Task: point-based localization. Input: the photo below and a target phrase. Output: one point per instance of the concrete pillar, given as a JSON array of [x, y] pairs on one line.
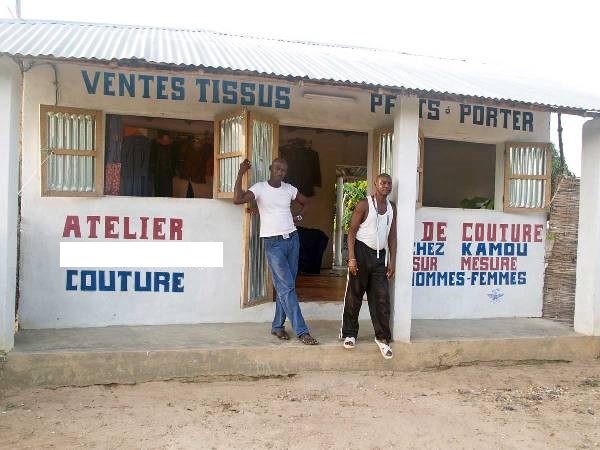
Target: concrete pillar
[[405, 151], [370, 158], [587, 295], [339, 226], [10, 123]]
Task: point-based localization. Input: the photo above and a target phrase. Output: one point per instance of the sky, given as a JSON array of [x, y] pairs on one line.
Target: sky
[[554, 39]]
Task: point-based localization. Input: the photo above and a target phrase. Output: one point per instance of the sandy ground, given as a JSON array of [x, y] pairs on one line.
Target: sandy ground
[[526, 406]]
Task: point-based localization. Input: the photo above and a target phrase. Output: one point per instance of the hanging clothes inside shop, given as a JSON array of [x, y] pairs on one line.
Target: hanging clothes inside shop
[[194, 167], [164, 153], [304, 169], [193, 160], [208, 148], [114, 143], [135, 163], [114, 138], [112, 179]]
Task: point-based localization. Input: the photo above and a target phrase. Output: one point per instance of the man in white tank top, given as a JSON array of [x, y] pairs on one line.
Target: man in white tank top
[[371, 263], [280, 238]]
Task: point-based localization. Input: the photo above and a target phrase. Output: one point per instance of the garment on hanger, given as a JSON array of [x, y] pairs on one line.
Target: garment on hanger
[[162, 166], [114, 143], [135, 166], [114, 138], [304, 169], [194, 159]]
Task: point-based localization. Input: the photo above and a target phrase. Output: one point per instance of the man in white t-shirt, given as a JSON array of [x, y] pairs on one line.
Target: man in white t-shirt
[[280, 238]]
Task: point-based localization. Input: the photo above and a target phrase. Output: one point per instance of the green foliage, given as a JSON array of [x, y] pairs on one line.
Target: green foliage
[[353, 193], [556, 168], [477, 203]]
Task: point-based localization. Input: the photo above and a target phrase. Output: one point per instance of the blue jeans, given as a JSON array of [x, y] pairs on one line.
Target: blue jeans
[[282, 255]]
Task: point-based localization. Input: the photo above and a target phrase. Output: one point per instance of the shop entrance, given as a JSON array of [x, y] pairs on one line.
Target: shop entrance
[[316, 159]]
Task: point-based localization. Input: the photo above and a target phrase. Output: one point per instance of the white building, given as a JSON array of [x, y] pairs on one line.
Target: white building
[[82, 104]]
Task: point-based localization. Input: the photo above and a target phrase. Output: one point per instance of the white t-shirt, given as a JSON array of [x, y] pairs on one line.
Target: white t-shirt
[[274, 208]]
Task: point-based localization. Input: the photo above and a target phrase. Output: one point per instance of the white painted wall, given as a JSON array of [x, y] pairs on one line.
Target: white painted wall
[[10, 118], [587, 293], [349, 115], [472, 301], [211, 295], [449, 126]]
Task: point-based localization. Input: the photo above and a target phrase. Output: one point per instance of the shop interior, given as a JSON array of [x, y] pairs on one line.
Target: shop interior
[[314, 157], [158, 157], [458, 174]]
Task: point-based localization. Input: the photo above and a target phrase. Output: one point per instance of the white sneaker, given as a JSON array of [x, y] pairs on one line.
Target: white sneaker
[[349, 342]]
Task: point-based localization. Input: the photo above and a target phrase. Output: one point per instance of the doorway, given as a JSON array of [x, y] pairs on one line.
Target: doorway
[[316, 158]]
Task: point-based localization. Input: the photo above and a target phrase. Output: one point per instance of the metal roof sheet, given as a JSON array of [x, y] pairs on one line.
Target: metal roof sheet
[[318, 62]]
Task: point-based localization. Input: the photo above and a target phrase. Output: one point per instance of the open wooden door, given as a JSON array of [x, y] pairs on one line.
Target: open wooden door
[[263, 146], [230, 150], [241, 135]]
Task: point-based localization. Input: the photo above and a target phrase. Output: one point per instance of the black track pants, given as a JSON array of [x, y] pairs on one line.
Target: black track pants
[[372, 279]]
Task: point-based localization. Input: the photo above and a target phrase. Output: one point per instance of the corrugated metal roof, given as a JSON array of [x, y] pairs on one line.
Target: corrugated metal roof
[[318, 62]]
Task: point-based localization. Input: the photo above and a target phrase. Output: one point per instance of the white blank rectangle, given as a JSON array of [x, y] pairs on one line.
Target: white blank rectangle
[[141, 254]]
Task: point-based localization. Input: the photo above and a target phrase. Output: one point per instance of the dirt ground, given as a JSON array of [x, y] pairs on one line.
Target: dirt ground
[[509, 407]]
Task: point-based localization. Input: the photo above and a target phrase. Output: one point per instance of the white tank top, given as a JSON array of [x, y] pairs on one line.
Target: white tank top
[[375, 229]]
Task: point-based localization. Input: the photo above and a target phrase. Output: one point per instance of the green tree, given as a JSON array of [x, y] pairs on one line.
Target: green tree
[[353, 193], [556, 169]]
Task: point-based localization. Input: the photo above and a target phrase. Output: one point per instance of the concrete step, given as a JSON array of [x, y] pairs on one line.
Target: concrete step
[[120, 354]]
